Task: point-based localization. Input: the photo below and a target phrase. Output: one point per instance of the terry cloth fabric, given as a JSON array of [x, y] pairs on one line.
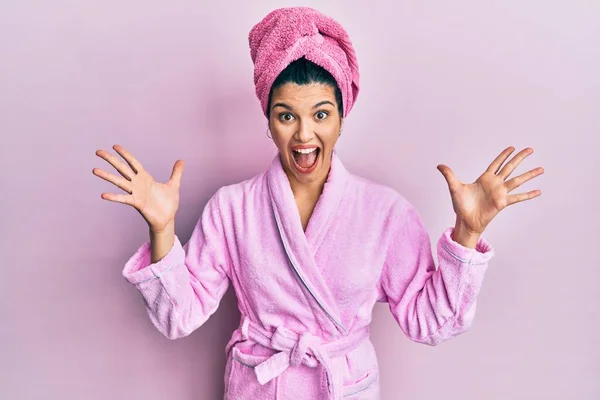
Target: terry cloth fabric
[[289, 33], [306, 298]]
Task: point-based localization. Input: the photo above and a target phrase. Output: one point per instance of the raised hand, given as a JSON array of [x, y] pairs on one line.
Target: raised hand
[[156, 202], [477, 203]]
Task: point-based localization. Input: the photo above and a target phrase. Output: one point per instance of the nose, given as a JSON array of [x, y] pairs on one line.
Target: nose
[[305, 131]]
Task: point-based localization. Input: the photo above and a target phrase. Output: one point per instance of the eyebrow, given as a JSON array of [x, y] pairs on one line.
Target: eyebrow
[[319, 104]]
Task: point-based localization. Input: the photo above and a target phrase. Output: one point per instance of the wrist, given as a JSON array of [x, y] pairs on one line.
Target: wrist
[[463, 236], [165, 231]]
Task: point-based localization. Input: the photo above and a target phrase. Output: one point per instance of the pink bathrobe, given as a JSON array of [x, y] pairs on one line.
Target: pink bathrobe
[[306, 298]]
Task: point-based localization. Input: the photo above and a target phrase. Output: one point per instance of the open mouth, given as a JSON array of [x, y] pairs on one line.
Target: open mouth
[[306, 160]]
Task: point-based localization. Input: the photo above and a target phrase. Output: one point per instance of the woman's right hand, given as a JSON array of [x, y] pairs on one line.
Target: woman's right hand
[[156, 202]]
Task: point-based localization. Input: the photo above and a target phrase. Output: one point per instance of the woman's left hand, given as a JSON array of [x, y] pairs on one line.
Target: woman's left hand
[[477, 203]]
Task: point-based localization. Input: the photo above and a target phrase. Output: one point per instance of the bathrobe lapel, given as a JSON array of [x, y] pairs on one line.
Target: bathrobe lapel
[[301, 247]]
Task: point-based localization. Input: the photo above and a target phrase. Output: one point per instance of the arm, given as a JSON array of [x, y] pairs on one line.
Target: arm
[[431, 305], [161, 242], [184, 287]]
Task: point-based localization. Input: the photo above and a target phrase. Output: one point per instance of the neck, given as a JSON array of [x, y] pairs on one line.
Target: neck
[[311, 190]]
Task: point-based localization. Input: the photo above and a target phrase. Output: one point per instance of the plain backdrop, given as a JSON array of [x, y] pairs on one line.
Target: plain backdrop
[[441, 83]]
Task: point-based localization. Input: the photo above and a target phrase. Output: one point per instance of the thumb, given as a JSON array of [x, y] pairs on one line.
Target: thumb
[[176, 174], [449, 176]]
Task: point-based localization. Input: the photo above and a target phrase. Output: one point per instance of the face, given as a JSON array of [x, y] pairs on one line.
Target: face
[[305, 125]]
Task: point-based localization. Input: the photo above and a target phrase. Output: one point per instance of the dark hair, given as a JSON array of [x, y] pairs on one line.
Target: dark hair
[[302, 72]]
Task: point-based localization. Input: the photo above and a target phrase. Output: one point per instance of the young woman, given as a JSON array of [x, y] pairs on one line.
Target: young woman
[[309, 247]]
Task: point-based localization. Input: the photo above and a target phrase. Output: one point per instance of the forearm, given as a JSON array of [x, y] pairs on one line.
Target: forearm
[[161, 242]]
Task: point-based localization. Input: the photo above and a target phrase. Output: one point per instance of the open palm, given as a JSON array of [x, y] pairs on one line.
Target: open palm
[[157, 202], [477, 203]]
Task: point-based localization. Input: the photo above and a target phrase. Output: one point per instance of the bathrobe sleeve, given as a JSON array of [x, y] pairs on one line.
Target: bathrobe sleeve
[[431, 305], [183, 289]]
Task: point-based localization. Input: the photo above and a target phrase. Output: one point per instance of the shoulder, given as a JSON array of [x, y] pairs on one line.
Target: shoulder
[[396, 211], [372, 194], [234, 194]]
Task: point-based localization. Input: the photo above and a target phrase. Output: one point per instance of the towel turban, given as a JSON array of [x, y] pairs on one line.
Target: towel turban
[[289, 33]]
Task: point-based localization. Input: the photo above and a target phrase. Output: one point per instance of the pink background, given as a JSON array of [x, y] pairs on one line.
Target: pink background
[[441, 83]]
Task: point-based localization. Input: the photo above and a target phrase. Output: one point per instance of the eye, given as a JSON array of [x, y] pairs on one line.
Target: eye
[[284, 117], [323, 114]]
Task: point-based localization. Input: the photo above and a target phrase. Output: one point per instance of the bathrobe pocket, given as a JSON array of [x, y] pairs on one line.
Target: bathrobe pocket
[[361, 380], [365, 387], [241, 378]]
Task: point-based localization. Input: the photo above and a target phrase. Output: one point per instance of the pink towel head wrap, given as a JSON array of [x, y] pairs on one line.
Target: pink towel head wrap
[[289, 33]]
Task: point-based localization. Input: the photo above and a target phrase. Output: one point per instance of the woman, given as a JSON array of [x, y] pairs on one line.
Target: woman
[[309, 247]]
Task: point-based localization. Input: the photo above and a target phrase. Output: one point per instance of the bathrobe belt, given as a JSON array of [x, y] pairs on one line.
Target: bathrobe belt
[[294, 349]]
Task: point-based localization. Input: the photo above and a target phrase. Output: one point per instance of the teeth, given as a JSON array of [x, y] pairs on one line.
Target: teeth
[[306, 151]]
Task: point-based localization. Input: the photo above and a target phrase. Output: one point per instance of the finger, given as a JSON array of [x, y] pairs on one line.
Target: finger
[[517, 181], [176, 174], [133, 163], [118, 198], [517, 198], [118, 181], [453, 182], [498, 161], [512, 164], [116, 163]]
